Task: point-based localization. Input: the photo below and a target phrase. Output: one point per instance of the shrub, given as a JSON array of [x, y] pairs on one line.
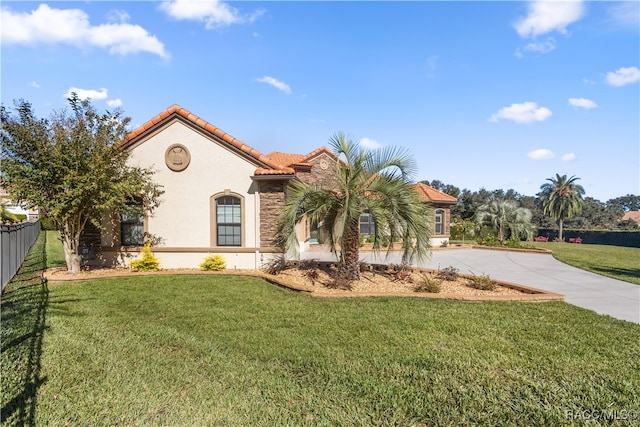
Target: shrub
[[46, 223], [401, 273], [148, 262], [213, 263], [444, 244], [483, 283], [428, 284], [364, 266], [312, 274], [449, 274], [275, 265], [308, 264]]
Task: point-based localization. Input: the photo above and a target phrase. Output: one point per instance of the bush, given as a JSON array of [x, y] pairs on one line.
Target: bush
[[275, 265], [213, 263], [449, 274], [47, 224], [483, 283], [148, 262], [428, 284]]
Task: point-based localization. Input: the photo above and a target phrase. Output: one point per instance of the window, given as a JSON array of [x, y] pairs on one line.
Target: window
[[228, 221], [132, 224], [367, 225], [439, 229]]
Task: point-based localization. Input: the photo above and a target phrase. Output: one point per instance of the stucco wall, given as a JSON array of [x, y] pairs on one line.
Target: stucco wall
[[184, 218]]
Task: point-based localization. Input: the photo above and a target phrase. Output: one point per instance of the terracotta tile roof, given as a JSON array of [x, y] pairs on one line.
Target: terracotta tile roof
[[284, 159], [430, 194], [176, 110], [317, 151], [632, 215]]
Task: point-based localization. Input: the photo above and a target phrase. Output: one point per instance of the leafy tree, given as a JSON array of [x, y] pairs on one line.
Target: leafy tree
[[376, 181], [71, 168], [506, 218], [561, 198]]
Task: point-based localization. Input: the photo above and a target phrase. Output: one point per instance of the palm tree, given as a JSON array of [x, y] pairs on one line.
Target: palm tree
[[376, 181], [507, 218], [561, 198]]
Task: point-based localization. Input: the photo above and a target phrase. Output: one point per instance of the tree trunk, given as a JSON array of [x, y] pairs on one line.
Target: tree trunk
[[350, 253], [560, 223], [72, 256]]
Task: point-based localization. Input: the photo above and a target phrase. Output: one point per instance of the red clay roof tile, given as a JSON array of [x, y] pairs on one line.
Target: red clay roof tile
[[430, 194]]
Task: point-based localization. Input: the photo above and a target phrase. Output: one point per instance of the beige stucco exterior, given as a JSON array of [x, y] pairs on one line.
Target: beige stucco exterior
[[184, 222], [196, 163]]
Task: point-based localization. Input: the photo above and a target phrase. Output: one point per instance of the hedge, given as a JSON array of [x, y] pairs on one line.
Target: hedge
[[596, 237]]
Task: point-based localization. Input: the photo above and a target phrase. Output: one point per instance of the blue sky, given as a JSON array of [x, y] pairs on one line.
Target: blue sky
[[484, 94]]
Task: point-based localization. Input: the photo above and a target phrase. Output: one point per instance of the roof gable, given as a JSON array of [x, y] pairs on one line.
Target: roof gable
[[430, 194], [268, 166]]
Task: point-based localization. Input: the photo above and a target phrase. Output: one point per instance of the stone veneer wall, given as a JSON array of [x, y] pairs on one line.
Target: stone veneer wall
[[317, 175], [272, 197]]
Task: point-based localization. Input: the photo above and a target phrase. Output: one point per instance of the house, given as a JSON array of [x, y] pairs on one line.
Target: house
[[632, 216], [221, 197], [13, 208]]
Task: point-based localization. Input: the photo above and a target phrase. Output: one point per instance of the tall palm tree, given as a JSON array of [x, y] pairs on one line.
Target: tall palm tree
[[561, 198], [376, 181], [507, 218]]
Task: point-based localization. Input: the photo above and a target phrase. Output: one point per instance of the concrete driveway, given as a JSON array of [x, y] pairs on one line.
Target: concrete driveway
[[587, 290]]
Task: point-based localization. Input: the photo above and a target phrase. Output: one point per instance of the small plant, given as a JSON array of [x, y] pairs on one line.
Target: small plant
[[449, 274], [308, 264], [401, 273], [428, 284], [483, 283], [444, 244], [213, 263], [148, 262], [312, 274], [275, 265]]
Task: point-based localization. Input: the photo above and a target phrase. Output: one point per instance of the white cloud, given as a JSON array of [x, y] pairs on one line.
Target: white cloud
[[582, 103], [34, 84], [568, 157], [623, 76], [588, 81], [369, 144], [213, 13], [276, 83], [46, 25], [525, 112], [540, 154], [113, 103], [625, 14], [541, 47], [547, 16], [87, 93]]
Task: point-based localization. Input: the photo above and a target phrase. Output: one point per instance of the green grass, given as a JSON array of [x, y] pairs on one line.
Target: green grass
[[54, 249], [619, 262], [236, 351]]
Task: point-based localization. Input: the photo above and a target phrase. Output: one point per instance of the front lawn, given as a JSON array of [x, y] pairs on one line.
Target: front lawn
[[236, 351], [619, 262]]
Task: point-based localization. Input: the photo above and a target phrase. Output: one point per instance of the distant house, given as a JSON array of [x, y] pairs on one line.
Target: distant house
[[221, 197], [14, 208], [632, 216]]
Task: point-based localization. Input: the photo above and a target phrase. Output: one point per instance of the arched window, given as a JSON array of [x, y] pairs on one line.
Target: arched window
[[439, 223], [228, 221]]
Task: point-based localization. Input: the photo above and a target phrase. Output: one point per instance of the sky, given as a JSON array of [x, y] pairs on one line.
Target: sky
[[494, 95]]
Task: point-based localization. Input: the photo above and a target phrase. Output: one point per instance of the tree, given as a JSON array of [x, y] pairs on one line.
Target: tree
[[70, 166], [561, 198], [375, 181], [506, 218]]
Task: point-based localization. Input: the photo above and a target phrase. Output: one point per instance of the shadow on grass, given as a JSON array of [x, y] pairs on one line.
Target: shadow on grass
[[24, 307], [619, 272]]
